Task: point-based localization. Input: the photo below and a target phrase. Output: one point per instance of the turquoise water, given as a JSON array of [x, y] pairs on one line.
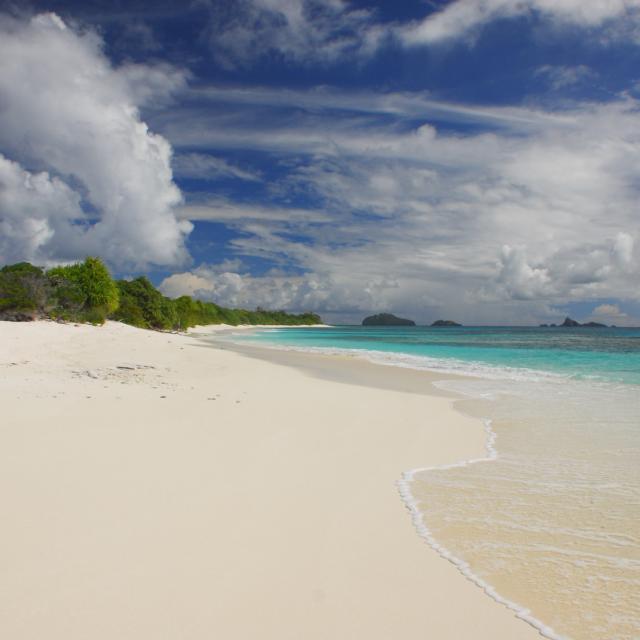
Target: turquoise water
[[548, 522], [596, 354]]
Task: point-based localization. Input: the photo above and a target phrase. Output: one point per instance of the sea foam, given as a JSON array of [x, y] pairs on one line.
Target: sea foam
[[546, 522]]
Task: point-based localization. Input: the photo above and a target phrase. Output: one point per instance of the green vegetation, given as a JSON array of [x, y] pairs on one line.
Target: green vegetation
[[23, 289], [387, 320], [142, 305], [85, 292]]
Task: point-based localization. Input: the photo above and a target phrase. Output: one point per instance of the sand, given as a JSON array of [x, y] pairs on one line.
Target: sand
[[154, 487]]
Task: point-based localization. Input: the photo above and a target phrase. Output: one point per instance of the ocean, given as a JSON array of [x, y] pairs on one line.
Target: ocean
[[548, 521]]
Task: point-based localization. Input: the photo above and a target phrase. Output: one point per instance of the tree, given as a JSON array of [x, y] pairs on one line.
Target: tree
[[84, 291], [142, 305], [23, 288]]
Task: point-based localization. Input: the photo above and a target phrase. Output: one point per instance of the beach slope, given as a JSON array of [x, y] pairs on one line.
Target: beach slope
[[156, 487]]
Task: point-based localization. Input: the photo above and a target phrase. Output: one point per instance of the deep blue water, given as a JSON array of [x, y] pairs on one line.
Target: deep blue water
[[611, 354]]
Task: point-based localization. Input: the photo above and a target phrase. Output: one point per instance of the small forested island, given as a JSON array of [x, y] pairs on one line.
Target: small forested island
[[387, 320], [86, 292], [570, 322], [445, 323]]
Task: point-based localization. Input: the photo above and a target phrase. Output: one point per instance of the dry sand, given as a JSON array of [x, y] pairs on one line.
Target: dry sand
[[156, 488]]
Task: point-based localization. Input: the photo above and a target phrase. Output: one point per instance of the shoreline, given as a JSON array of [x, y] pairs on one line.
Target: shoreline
[[424, 382], [198, 491], [553, 532]]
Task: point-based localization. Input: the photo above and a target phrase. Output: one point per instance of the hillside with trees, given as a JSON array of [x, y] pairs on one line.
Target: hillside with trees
[[86, 292]]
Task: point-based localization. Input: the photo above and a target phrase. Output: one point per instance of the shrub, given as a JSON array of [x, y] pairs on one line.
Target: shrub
[[84, 291], [23, 287], [87, 284], [142, 305]]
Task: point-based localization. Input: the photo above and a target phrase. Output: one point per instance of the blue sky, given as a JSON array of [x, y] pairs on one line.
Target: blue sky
[[471, 159]]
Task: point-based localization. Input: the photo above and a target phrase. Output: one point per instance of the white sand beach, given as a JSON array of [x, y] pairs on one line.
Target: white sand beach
[[154, 487]]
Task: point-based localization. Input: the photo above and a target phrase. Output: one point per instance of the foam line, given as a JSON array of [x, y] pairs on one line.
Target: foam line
[[459, 367], [417, 517], [420, 363]]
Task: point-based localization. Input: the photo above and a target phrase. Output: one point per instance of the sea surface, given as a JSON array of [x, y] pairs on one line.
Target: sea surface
[[548, 521]]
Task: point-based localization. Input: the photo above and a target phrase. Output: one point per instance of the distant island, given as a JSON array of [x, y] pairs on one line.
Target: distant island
[[387, 320], [570, 322], [445, 323]]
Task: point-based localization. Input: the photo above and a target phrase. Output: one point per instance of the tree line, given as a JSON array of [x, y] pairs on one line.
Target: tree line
[[86, 292]]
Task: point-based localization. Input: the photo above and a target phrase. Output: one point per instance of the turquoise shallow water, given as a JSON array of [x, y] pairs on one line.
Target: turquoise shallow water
[[596, 354], [549, 520]]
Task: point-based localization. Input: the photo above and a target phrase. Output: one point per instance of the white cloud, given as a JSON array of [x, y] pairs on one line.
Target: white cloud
[[464, 18], [208, 167], [405, 104], [70, 124], [623, 250], [414, 217], [521, 280], [222, 210], [606, 310], [561, 77], [325, 31], [581, 271], [301, 31], [185, 284], [311, 292], [153, 85], [35, 211], [614, 315]]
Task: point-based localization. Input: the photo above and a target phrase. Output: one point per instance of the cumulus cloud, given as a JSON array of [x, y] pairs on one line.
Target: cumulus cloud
[[36, 210], [153, 85], [81, 173], [324, 292], [613, 314], [521, 280], [606, 310], [464, 18], [570, 272]]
